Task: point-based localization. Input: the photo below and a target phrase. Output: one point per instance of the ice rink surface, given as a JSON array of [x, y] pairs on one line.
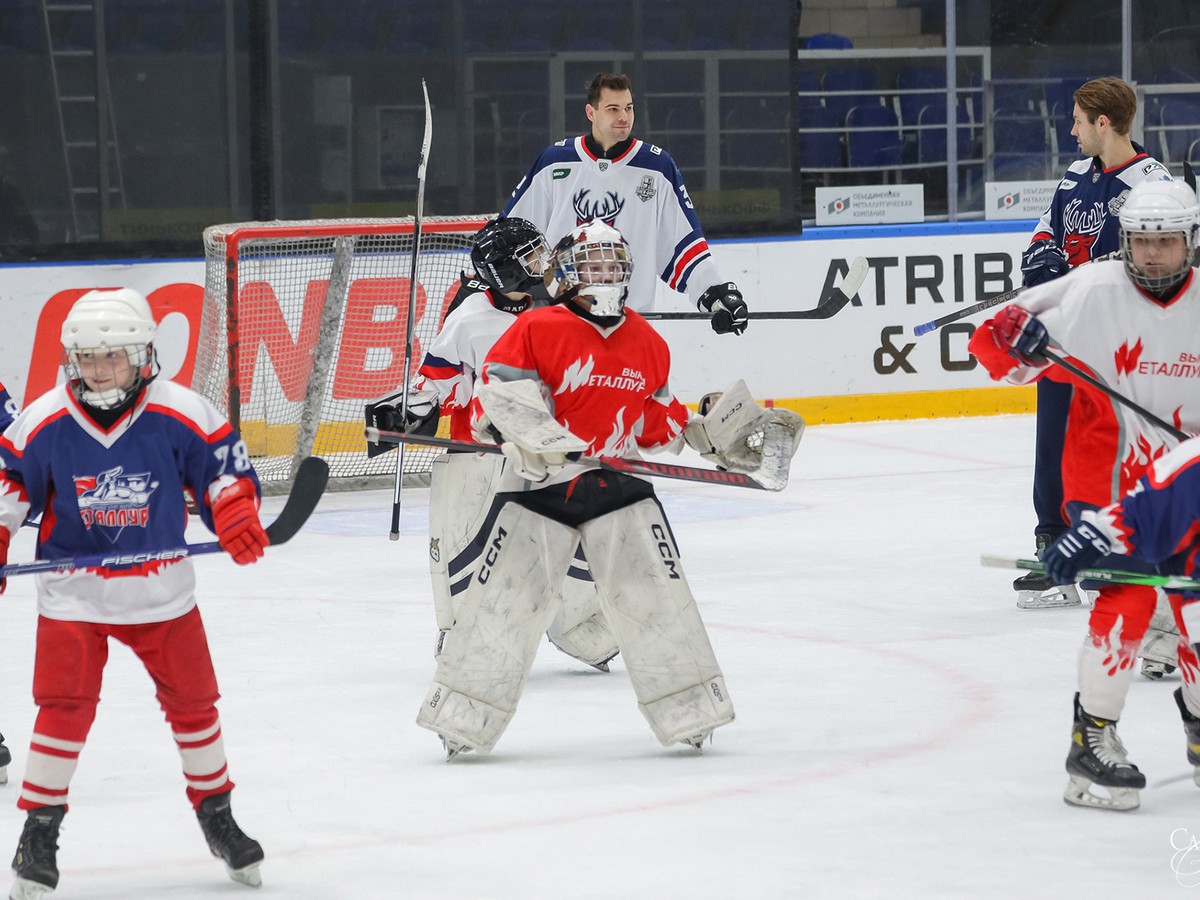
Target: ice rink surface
[[901, 725]]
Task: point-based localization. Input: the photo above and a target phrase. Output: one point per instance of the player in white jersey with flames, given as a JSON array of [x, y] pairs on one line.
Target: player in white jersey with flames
[[586, 376], [1131, 324], [509, 256], [105, 459], [636, 187]]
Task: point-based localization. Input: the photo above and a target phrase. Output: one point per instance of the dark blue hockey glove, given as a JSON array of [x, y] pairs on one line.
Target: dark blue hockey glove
[[1078, 549], [1042, 261], [728, 309]]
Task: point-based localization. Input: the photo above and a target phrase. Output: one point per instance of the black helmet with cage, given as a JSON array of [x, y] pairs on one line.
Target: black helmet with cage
[[510, 255]]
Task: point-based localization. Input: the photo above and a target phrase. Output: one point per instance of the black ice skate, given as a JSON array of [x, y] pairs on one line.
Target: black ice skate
[[1037, 591], [36, 862], [1097, 759], [1191, 727], [242, 854], [5, 759]]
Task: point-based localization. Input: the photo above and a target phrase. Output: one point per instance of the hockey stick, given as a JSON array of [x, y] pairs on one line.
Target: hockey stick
[[830, 305], [998, 300], [612, 463], [1120, 398], [394, 534], [309, 485], [1115, 576]]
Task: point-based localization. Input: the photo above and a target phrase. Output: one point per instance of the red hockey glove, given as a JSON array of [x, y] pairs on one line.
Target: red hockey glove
[[235, 519], [4, 538], [1013, 337]]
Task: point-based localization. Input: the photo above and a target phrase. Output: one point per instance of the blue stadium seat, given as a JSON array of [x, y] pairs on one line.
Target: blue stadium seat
[[1020, 145], [827, 40], [1180, 118], [819, 143], [808, 90], [879, 145], [931, 141], [858, 87], [922, 79]]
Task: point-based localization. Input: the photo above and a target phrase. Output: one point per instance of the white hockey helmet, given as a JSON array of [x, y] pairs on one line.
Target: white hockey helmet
[[1159, 207], [103, 322], [595, 263]]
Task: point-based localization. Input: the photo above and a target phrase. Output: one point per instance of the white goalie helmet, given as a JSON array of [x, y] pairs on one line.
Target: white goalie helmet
[[595, 259], [108, 346], [1156, 208]]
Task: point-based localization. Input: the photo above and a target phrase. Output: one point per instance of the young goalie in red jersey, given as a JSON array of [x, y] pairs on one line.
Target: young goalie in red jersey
[[105, 459], [585, 376]]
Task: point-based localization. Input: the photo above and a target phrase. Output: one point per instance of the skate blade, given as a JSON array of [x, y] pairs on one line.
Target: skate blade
[[249, 876], [1064, 596], [453, 748], [1079, 793], [3, 774], [24, 889]]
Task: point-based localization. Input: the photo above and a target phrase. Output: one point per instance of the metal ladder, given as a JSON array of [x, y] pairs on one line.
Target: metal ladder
[[87, 128]]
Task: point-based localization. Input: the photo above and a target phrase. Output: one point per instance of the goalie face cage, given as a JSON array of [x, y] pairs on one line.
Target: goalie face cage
[[304, 323]]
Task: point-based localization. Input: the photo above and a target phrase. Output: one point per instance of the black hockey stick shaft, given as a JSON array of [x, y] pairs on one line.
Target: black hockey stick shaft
[[831, 304], [311, 479], [1083, 376], [409, 319], [1115, 576], [612, 463], [998, 300]]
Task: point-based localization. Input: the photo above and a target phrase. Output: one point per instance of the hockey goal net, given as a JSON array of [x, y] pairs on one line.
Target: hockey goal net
[[304, 323]]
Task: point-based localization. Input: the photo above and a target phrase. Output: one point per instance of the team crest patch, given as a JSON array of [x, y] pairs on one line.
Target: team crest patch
[[113, 500], [645, 189], [435, 550], [603, 166]]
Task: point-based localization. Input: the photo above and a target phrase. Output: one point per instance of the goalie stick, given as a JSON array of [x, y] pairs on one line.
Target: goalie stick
[[394, 534], [1115, 576], [612, 463], [307, 489], [831, 304]]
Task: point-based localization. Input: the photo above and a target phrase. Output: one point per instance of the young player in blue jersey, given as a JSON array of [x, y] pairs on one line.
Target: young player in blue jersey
[[613, 177], [1079, 226], [106, 459], [8, 410]]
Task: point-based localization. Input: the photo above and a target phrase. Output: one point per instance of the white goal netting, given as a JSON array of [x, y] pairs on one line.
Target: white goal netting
[[304, 323]]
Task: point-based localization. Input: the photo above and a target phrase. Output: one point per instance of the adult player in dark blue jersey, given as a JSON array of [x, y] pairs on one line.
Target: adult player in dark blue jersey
[[1079, 226], [8, 411]]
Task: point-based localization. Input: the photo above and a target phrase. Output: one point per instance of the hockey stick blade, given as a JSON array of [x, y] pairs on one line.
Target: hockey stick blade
[[309, 485], [831, 304], [1116, 576], [613, 464]]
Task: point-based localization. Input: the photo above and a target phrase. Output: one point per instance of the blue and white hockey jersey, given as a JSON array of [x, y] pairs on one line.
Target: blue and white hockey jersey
[[640, 193], [117, 491], [1082, 216], [8, 408]]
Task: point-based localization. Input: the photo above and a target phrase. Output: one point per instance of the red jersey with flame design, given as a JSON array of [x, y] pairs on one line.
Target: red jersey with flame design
[[607, 386], [1147, 350]]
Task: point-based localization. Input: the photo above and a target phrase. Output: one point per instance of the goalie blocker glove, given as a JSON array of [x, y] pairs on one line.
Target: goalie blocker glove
[[728, 310], [387, 414], [1080, 548]]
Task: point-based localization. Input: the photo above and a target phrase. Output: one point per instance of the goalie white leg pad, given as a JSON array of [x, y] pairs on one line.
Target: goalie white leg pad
[[650, 609], [460, 495], [579, 627], [486, 657]]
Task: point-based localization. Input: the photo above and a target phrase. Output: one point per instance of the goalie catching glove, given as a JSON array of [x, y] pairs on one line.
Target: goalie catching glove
[[235, 520], [515, 415], [736, 433], [387, 414]]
